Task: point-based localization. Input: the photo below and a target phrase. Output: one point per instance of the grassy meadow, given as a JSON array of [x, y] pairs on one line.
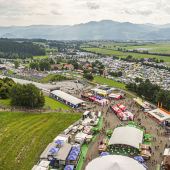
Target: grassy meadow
[[109, 82], [49, 104], [121, 54], [23, 136]]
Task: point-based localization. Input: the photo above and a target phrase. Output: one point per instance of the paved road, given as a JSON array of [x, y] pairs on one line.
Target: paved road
[[63, 85]]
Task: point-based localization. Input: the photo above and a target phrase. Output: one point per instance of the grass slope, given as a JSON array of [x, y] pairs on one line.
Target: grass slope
[[109, 82], [24, 136], [49, 104], [53, 104]]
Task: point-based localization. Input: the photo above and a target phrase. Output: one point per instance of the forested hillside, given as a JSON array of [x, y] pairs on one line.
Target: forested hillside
[[12, 49]]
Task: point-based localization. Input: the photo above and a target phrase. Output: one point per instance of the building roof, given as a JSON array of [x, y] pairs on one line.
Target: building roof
[[63, 152], [127, 136], [115, 162], [159, 114], [67, 97]]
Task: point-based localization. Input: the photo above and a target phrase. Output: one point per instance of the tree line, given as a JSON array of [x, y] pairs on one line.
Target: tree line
[[150, 92], [12, 49]]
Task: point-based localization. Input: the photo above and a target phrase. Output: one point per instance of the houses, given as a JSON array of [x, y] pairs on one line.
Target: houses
[[133, 70]]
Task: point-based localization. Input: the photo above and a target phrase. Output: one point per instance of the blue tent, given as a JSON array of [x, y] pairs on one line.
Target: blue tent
[[69, 167], [54, 150], [139, 159], [77, 148], [72, 157], [104, 154], [59, 142]]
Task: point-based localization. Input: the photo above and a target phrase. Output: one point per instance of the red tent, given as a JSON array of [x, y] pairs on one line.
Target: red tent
[[122, 107]]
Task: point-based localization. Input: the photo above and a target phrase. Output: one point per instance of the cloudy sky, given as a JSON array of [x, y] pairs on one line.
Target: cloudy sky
[[64, 12]]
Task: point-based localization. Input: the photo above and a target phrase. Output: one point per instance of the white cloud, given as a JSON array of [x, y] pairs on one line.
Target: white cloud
[[28, 12]]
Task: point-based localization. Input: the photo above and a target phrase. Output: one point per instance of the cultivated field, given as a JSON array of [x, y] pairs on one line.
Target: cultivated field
[[121, 54], [23, 136]]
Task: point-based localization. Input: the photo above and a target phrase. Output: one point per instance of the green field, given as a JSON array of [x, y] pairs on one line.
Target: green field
[[109, 82], [40, 57], [125, 54], [5, 102], [53, 104], [49, 104], [23, 136], [53, 78], [162, 47]]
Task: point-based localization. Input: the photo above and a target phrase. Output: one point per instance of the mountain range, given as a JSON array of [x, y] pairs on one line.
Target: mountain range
[[102, 30]]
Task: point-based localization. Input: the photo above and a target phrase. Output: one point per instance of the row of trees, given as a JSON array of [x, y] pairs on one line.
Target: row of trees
[[116, 74], [151, 92], [27, 95], [12, 49], [42, 65]]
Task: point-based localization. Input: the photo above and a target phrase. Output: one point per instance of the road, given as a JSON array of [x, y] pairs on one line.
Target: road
[[44, 87]]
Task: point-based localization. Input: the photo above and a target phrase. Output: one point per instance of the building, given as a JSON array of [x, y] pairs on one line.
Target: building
[[115, 162], [66, 98]]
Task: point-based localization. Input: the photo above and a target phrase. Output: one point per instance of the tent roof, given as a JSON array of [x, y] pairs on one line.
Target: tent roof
[[63, 152], [159, 114], [67, 97], [114, 162], [127, 136]]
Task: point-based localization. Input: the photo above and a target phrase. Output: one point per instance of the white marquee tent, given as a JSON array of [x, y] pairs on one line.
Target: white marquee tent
[[127, 135], [114, 162]]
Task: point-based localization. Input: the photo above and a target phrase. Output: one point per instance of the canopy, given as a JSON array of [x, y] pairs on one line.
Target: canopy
[[114, 162], [126, 135], [69, 167], [54, 150], [104, 154], [139, 159], [159, 114]]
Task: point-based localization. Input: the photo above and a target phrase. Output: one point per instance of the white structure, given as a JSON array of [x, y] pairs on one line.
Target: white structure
[[114, 162], [159, 114], [66, 98], [127, 135]]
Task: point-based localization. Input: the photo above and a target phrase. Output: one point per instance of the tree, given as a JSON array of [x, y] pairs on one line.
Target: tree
[[28, 96], [44, 65], [34, 65], [88, 76], [5, 87], [16, 63]]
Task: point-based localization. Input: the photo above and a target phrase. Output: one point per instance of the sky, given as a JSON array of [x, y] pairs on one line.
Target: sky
[[69, 12]]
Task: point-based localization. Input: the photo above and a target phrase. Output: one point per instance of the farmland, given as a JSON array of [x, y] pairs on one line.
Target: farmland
[[121, 54], [24, 136]]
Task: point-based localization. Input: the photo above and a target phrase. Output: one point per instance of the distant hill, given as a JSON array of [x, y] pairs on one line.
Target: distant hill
[[102, 30]]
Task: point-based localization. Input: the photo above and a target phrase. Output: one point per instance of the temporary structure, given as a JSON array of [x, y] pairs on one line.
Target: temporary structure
[[66, 98], [126, 135], [115, 162], [159, 114]]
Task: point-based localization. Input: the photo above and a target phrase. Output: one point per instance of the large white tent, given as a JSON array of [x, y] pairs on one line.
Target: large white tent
[[127, 135], [114, 162], [66, 98]]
